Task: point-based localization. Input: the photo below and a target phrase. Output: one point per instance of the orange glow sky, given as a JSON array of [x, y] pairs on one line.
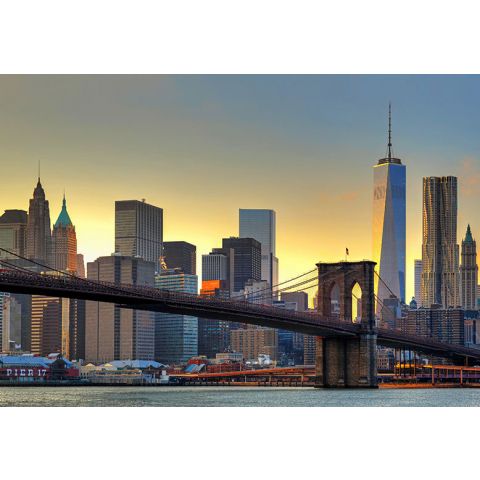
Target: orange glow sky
[[203, 147]]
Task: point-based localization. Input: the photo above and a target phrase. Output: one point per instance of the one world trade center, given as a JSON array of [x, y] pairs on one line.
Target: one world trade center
[[389, 230]]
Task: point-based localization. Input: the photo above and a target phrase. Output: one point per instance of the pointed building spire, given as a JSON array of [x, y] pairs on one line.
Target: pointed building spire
[[468, 235], [390, 131], [63, 219]]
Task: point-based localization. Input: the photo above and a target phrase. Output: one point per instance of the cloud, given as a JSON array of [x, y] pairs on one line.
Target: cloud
[[469, 177]]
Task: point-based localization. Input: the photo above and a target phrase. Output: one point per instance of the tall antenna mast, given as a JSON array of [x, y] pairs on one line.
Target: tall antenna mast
[[390, 131]]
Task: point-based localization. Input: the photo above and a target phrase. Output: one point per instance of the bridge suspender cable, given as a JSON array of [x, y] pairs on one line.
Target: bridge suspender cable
[[315, 279], [63, 273], [281, 283], [385, 283]]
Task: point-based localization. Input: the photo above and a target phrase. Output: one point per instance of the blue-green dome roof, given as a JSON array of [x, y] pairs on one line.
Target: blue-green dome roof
[[63, 219]]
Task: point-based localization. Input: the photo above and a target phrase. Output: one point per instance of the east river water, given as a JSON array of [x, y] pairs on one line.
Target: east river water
[[234, 397]]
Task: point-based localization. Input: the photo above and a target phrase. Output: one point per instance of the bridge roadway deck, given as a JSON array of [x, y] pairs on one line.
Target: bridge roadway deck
[[152, 299]]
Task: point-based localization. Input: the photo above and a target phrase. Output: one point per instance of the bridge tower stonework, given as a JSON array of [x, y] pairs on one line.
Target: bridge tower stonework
[[347, 362]]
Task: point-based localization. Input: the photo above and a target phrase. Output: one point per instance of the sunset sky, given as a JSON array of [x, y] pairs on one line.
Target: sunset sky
[[201, 147]]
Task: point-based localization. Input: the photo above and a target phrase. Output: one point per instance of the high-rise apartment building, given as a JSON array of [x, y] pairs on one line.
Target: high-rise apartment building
[[176, 336], [247, 260], [64, 242], [389, 224], [39, 236], [261, 225], [418, 280], [182, 255], [440, 270], [309, 349], [252, 342], [469, 272], [111, 332], [442, 324], [139, 230]]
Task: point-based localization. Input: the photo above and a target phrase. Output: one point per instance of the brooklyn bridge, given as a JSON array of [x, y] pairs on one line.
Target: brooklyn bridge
[[345, 350]]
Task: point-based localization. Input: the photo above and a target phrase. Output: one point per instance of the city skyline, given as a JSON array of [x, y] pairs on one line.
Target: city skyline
[[307, 145]]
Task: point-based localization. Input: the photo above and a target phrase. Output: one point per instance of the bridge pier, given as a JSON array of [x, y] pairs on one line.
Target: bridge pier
[[347, 362]]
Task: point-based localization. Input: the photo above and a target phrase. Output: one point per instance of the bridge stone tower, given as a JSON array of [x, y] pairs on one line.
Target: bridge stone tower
[[347, 361]]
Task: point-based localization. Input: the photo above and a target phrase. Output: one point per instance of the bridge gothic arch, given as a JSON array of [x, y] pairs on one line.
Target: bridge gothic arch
[[347, 362], [346, 275]]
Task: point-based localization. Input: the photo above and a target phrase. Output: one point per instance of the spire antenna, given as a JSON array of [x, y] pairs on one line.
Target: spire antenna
[[390, 130], [39, 170]]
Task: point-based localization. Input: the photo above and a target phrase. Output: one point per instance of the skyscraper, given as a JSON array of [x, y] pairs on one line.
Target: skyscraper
[[80, 265], [13, 237], [214, 267], [181, 255], [469, 272], [64, 242], [247, 263], [139, 230], [176, 336], [50, 325], [219, 264], [389, 218], [111, 332], [13, 233], [39, 238], [217, 280], [261, 225], [440, 274], [418, 280], [10, 322]]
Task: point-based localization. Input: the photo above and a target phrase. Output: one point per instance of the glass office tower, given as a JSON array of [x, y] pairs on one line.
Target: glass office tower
[[389, 225], [139, 230], [176, 336], [261, 225]]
